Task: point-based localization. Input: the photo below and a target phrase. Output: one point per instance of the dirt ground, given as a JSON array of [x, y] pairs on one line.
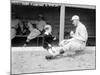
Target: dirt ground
[[29, 60]]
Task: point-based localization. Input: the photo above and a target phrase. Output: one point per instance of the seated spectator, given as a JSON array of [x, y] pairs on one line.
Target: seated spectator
[[14, 26]]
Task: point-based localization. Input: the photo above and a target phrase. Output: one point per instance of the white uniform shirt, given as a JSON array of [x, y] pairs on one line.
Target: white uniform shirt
[[81, 33], [30, 26], [41, 25]]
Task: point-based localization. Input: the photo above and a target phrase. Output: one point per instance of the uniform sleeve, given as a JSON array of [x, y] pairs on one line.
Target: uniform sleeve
[[81, 34], [34, 22]]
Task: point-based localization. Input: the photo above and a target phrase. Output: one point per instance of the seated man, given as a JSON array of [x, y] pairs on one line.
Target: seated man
[[77, 42], [14, 26], [35, 31]]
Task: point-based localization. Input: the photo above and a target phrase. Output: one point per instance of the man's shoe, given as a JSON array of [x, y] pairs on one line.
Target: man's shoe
[[49, 57]]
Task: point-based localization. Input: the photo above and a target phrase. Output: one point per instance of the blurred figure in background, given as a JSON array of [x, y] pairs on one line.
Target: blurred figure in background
[[14, 26], [35, 31], [22, 28]]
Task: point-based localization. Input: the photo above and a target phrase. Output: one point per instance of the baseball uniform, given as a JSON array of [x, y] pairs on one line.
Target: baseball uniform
[[33, 32], [78, 40]]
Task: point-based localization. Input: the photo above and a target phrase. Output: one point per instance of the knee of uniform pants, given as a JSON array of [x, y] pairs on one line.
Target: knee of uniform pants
[[33, 35], [29, 37]]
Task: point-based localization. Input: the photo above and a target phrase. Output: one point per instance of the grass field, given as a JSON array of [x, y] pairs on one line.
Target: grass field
[[32, 60]]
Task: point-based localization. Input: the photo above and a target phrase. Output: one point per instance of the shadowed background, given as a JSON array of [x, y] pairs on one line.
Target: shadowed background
[[52, 16]]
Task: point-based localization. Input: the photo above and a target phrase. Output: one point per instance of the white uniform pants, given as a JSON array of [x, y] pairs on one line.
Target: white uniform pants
[[33, 34], [74, 45], [68, 45]]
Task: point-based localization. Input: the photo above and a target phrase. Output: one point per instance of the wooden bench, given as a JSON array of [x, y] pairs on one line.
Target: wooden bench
[[40, 36]]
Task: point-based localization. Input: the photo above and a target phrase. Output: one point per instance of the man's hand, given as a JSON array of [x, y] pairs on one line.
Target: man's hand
[[71, 33], [54, 38]]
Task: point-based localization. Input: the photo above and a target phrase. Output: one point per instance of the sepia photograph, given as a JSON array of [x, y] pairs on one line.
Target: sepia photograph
[[52, 37]]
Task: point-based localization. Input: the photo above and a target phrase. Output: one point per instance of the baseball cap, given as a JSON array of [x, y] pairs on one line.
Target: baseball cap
[[75, 17]]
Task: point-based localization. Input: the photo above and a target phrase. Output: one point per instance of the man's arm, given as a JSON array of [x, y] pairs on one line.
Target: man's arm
[[81, 34], [34, 22]]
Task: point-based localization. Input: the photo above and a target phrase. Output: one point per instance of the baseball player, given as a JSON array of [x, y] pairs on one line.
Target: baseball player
[[48, 38], [14, 26], [77, 42], [35, 31]]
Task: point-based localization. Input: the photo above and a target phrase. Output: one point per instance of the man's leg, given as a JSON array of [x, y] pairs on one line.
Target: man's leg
[[72, 47], [31, 36], [63, 46], [57, 52], [62, 49], [64, 42], [27, 42], [54, 52]]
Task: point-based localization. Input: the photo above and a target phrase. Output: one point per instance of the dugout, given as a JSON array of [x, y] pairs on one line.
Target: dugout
[[58, 15]]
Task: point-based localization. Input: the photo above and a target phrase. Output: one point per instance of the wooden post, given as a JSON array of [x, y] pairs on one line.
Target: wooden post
[[62, 21]]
